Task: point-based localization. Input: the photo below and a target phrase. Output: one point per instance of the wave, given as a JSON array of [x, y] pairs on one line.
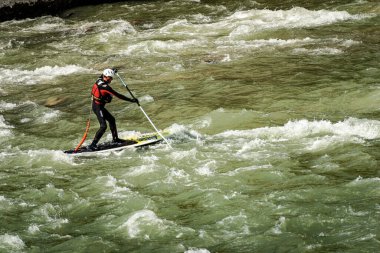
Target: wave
[[42, 74], [194, 32], [296, 17], [313, 135], [299, 136], [161, 47], [240, 31], [11, 243], [146, 223], [5, 129], [353, 127], [116, 28], [318, 51], [253, 21], [196, 250], [31, 112], [4, 106]]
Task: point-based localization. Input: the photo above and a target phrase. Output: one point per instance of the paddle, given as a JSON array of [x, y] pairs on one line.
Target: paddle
[[150, 121]]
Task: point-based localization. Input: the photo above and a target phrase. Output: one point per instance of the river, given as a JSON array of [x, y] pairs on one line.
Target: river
[[273, 110]]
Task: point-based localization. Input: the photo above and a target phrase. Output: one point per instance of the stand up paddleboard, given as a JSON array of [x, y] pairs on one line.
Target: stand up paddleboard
[[140, 141]]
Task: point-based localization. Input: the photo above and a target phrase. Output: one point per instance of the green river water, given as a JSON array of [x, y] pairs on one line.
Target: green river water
[[273, 110]]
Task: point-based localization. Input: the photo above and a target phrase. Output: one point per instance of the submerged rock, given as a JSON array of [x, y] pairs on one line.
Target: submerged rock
[[53, 101]]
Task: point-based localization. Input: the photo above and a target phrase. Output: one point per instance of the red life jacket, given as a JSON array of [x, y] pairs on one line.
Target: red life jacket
[[99, 92]]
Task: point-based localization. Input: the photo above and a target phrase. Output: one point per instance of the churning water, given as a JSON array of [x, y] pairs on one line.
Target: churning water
[[274, 113]]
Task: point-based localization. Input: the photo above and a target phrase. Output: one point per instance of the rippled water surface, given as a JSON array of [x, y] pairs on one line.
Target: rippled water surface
[[273, 111]]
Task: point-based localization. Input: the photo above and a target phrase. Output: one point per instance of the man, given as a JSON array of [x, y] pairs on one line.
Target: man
[[102, 94]]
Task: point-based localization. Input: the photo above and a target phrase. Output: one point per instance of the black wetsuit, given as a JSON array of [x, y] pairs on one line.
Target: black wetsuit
[[102, 93]]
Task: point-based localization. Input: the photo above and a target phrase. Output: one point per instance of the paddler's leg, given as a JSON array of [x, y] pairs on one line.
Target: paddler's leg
[[99, 112], [112, 122]]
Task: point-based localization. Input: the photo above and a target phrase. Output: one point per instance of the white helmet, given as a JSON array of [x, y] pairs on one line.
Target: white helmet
[[108, 72]]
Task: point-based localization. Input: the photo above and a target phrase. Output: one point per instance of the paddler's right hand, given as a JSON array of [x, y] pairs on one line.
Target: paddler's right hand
[[135, 100]]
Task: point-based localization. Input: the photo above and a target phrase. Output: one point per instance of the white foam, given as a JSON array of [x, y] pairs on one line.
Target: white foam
[[280, 225], [181, 155], [33, 229], [368, 237], [111, 183], [4, 106], [304, 136], [11, 242], [54, 155], [273, 42], [335, 46], [46, 24], [236, 31], [201, 18], [25, 120], [142, 222], [352, 212], [149, 165], [3, 123], [364, 181], [177, 176], [318, 51], [113, 28], [176, 26], [208, 169], [182, 132], [243, 23], [322, 143], [46, 27], [50, 215], [161, 47], [363, 128], [226, 58], [253, 144], [244, 169], [46, 73], [146, 98], [196, 250], [49, 116], [234, 226], [349, 43], [143, 169], [5, 128], [246, 22]]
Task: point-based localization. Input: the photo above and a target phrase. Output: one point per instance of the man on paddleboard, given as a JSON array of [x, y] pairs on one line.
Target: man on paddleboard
[[102, 94]]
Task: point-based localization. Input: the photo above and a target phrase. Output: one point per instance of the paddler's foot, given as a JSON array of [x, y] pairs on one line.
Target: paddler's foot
[[130, 142], [92, 147], [124, 142], [118, 141]]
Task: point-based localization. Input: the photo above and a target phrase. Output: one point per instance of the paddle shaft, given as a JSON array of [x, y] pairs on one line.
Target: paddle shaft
[[146, 115]]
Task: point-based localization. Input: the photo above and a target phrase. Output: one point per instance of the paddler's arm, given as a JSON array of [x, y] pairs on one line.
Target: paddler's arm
[[120, 96]]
